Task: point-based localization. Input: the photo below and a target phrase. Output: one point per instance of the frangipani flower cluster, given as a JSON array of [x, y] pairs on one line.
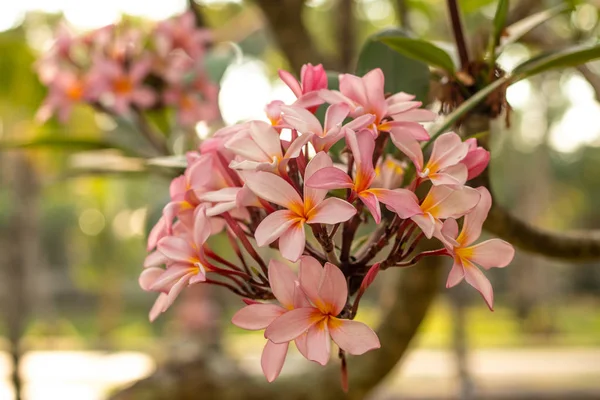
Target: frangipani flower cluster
[[290, 194], [125, 68]]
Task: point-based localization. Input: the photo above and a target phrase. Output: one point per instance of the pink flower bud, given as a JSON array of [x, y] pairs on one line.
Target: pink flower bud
[[476, 160]]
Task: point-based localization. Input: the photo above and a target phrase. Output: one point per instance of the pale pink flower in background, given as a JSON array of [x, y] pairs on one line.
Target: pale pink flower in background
[[184, 257], [389, 174], [258, 316], [476, 160], [122, 87], [327, 291], [444, 166], [258, 148], [288, 225], [182, 33], [65, 90], [323, 137], [488, 254], [440, 203], [191, 108], [362, 146], [312, 79]]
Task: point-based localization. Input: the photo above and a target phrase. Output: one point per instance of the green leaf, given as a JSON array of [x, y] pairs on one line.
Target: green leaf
[[420, 50], [569, 57], [499, 21], [520, 28], [402, 73]]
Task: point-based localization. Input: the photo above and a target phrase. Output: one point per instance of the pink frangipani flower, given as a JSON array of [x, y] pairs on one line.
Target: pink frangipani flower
[[444, 166], [122, 87], [362, 146], [65, 90], [185, 261], [258, 316], [259, 148], [327, 291], [366, 95], [489, 254], [288, 224], [312, 79]]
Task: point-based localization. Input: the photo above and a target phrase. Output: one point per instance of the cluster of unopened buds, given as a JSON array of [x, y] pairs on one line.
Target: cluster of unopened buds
[[291, 194], [123, 68]]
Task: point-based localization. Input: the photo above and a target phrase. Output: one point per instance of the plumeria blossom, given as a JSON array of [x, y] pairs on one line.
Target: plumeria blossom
[[123, 87], [327, 291], [258, 148], [182, 33], [440, 203], [398, 114], [312, 79], [444, 166], [65, 90], [288, 225], [260, 189], [124, 69], [186, 264], [467, 256], [332, 131], [258, 316], [362, 146]]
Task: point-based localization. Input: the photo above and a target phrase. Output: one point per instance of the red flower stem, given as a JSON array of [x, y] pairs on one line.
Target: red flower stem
[[417, 258], [237, 251], [221, 260], [235, 227]]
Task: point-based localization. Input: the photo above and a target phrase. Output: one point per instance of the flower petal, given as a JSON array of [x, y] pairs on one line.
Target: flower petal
[[447, 202], [169, 277], [313, 196], [474, 220], [155, 259], [477, 279], [292, 324], [335, 115], [330, 178], [274, 189], [352, 336], [409, 146], [176, 249], [409, 129], [273, 226], [448, 150], [333, 290], [302, 345], [370, 200], [310, 276], [158, 307], [426, 222], [257, 316], [201, 230], [456, 275], [492, 253], [318, 342], [291, 82], [272, 359], [402, 201], [149, 276], [453, 175], [301, 120], [283, 283], [292, 242], [331, 211]]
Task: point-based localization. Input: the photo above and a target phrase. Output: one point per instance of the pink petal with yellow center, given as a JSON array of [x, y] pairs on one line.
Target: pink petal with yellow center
[[257, 316], [292, 324]]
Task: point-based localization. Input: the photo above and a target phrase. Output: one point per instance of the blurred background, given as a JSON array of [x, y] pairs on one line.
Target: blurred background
[[72, 237]]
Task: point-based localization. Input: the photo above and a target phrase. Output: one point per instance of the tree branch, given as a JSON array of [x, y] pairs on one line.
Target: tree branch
[[285, 19], [346, 34]]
